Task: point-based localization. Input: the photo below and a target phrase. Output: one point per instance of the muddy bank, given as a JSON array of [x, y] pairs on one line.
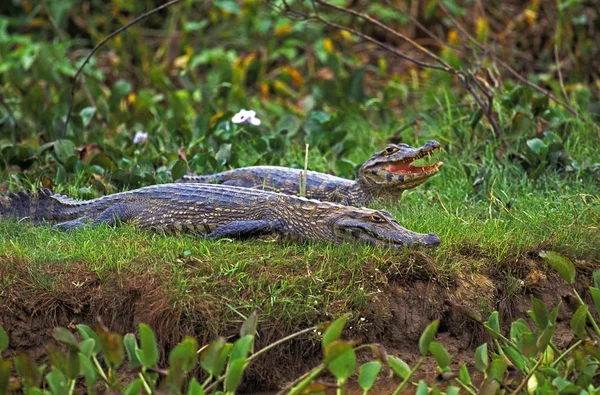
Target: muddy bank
[[35, 301]]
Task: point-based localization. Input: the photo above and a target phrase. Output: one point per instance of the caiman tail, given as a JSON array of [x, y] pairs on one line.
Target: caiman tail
[[40, 206]]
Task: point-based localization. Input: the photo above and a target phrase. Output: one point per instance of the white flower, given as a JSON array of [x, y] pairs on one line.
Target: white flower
[[246, 117], [140, 136]]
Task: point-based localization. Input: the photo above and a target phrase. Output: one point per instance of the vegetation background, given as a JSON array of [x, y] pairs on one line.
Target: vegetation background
[[520, 176]]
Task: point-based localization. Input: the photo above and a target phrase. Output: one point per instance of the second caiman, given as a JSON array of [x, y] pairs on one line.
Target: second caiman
[[216, 211], [386, 174]]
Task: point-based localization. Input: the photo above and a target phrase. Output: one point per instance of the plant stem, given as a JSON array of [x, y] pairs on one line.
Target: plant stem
[[99, 368], [412, 372], [526, 379], [146, 386], [314, 373], [466, 387], [589, 315], [278, 342], [567, 352]]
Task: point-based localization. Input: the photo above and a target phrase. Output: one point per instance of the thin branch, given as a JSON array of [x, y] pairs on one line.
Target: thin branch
[[101, 43], [560, 77], [512, 71], [379, 44], [367, 18], [435, 38]]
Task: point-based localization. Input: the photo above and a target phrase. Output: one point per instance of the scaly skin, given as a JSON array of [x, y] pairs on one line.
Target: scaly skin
[[386, 174], [216, 211]]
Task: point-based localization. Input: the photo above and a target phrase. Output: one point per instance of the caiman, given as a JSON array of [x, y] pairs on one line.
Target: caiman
[[216, 211], [386, 174]]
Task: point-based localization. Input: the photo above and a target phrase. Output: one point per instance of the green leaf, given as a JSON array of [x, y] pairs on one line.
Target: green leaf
[[521, 124], [65, 336], [89, 371], [494, 323], [220, 363], [187, 352], [63, 149], [561, 264], [195, 388], [178, 170], [464, 376], [72, 368], [539, 104], [497, 368], [367, 374], [86, 115], [540, 313], [440, 354], [554, 314], [335, 349], [516, 357], [344, 365], [475, 118], [595, 292], [3, 339], [528, 344], [149, 355], [27, 370], [422, 388], [399, 367], [452, 390], [112, 345], [210, 355], [545, 338], [229, 6], [87, 333], [87, 346], [481, 357], [57, 382], [241, 348], [5, 369], [334, 331], [596, 278], [249, 326], [134, 388], [131, 346], [579, 320], [427, 337], [538, 147], [234, 375]]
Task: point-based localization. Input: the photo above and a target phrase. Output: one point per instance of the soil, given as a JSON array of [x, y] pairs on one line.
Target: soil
[[395, 318]]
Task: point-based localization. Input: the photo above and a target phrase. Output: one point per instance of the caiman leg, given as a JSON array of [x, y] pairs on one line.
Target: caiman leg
[[239, 229], [120, 212]]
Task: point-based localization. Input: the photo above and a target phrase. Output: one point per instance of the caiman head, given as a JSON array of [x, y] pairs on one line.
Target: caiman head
[[377, 227], [391, 171]]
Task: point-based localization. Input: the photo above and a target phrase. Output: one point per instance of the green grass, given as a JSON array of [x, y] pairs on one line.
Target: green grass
[[508, 218]]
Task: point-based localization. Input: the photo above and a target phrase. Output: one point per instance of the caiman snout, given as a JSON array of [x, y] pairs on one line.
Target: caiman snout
[[431, 144], [431, 239]]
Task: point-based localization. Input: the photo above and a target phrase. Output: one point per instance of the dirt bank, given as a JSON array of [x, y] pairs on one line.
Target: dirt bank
[[35, 301]]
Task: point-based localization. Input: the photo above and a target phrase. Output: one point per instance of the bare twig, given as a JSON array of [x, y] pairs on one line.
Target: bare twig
[[446, 66], [469, 81], [560, 77], [423, 28], [101, 43], [512, 71]]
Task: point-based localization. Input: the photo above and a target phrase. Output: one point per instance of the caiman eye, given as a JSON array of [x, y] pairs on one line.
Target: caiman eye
[[390, 150], [377, 218]]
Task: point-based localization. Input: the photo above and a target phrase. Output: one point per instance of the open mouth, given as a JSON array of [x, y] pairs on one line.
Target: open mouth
[[408, 166]]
